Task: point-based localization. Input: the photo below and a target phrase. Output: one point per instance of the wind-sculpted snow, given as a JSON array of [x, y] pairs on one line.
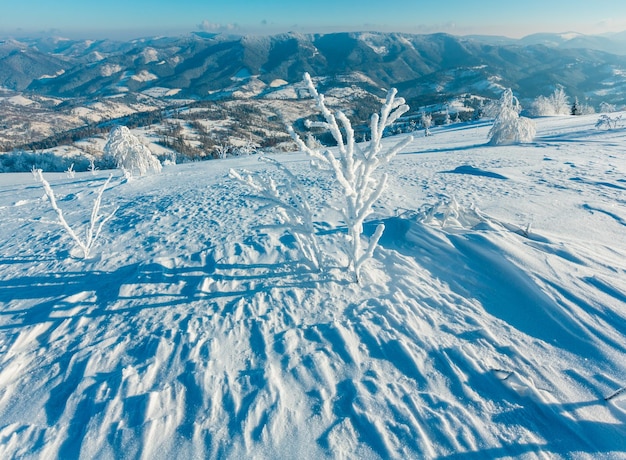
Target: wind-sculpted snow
[[490, 322]]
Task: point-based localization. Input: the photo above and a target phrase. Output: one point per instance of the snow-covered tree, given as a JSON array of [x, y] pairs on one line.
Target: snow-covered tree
[[248, 148], [508, 127], [130, 154], [606, 107], [426, 120], [555, 104], [575, 110], [542, 107], [585, 109], [354, 167], [560, 101], [221, 151]]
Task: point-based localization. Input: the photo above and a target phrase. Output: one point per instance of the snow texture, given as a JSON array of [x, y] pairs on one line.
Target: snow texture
[[490, 323]]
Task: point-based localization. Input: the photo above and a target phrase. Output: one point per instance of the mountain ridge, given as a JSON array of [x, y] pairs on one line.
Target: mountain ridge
[[201, 66]]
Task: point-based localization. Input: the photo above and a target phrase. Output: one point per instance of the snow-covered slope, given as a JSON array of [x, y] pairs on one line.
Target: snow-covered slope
[[491, 322]]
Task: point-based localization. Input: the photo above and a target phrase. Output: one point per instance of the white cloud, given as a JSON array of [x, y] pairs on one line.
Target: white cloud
[[208, 26]]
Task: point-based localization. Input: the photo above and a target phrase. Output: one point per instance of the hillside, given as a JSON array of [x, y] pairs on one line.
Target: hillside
[[490, 323]]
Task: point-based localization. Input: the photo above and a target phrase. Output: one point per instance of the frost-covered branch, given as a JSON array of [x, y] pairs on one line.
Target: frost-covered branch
[[295, 214], [354, 166], [96, 221]]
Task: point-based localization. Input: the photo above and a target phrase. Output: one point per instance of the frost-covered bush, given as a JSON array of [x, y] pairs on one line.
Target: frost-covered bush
[[96, 221], [426, 120], [608, 122], [354, 166], [248, 148], [542, 107], [129, 154], [70, 172], [555, 104], [221, 151], [508, 127], [560, 101], [607, 107]]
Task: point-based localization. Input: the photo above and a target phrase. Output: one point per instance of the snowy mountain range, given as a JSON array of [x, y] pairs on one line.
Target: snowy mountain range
[[422, 67], [199, 93]]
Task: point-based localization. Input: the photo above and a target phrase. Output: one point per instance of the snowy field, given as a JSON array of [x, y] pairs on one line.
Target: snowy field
[[491, 322]]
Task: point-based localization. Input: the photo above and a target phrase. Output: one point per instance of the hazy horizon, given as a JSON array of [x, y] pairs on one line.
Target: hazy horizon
[[123, 20]]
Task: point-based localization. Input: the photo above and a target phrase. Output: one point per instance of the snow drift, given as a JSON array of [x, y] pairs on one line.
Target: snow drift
[[489, 323]]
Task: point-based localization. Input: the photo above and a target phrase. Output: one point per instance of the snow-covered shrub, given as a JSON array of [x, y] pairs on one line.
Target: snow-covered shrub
[[508, 127], [449, 215], [96, 222], [70, 171], [606, 107], [92, 166], [426, 120], [542, 107], [608, 122], [289, 199], [130, 154], [35, 172], [221, 151], [355, 166], [555, 104], [560, 101], [249, 148]]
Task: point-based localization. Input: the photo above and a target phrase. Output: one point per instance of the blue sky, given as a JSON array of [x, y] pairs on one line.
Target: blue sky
[[135, 18]]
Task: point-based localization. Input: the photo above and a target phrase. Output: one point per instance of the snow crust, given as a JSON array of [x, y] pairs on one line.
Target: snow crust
[[491, 322]]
